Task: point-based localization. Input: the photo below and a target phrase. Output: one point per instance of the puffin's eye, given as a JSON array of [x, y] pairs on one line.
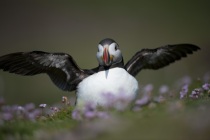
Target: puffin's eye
[[116, 48]]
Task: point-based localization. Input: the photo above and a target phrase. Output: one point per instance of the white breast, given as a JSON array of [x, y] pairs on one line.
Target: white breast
[[116, 81]]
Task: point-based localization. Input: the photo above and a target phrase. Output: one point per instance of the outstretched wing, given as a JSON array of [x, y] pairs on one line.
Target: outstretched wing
[[60, 67], [159, 57]]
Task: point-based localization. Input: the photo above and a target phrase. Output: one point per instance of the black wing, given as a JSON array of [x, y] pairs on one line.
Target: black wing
[[159, 57], [60, 67]]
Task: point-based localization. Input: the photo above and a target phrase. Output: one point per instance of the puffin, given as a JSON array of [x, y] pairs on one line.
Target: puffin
[[111, 76]]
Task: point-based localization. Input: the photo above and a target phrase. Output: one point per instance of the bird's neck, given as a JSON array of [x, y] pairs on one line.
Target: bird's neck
[[115, 65]]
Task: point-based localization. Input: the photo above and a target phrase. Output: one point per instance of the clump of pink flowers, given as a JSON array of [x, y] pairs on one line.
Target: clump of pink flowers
[[88, 112], [184, 91], [27, 112]]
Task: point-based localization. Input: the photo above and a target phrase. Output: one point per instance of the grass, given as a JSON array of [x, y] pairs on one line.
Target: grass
[[172, 119], [25, 128]]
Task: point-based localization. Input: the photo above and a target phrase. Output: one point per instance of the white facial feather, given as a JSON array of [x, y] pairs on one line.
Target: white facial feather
[[99, 54], [115, 51]]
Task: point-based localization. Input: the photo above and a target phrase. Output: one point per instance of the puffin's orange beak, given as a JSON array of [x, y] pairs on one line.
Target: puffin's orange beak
[[106, 57]]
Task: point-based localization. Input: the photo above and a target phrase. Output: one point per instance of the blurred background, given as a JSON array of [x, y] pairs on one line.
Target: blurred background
[[76, 28]]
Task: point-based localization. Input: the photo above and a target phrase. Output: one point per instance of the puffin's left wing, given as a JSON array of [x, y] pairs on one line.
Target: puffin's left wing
[[159, 57], [61, 67]]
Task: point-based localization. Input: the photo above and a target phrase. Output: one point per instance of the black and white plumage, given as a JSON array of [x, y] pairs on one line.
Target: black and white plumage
[[111, 76]]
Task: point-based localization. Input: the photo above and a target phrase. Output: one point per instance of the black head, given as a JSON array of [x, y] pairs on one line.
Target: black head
[[107, 41]]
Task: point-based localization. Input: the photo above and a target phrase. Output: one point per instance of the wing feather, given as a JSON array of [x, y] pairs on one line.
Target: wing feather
[[159, 57], [60, 67]]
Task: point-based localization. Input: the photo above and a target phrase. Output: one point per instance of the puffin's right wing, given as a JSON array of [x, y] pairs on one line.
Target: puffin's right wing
[[61, 67], [159, 57]]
